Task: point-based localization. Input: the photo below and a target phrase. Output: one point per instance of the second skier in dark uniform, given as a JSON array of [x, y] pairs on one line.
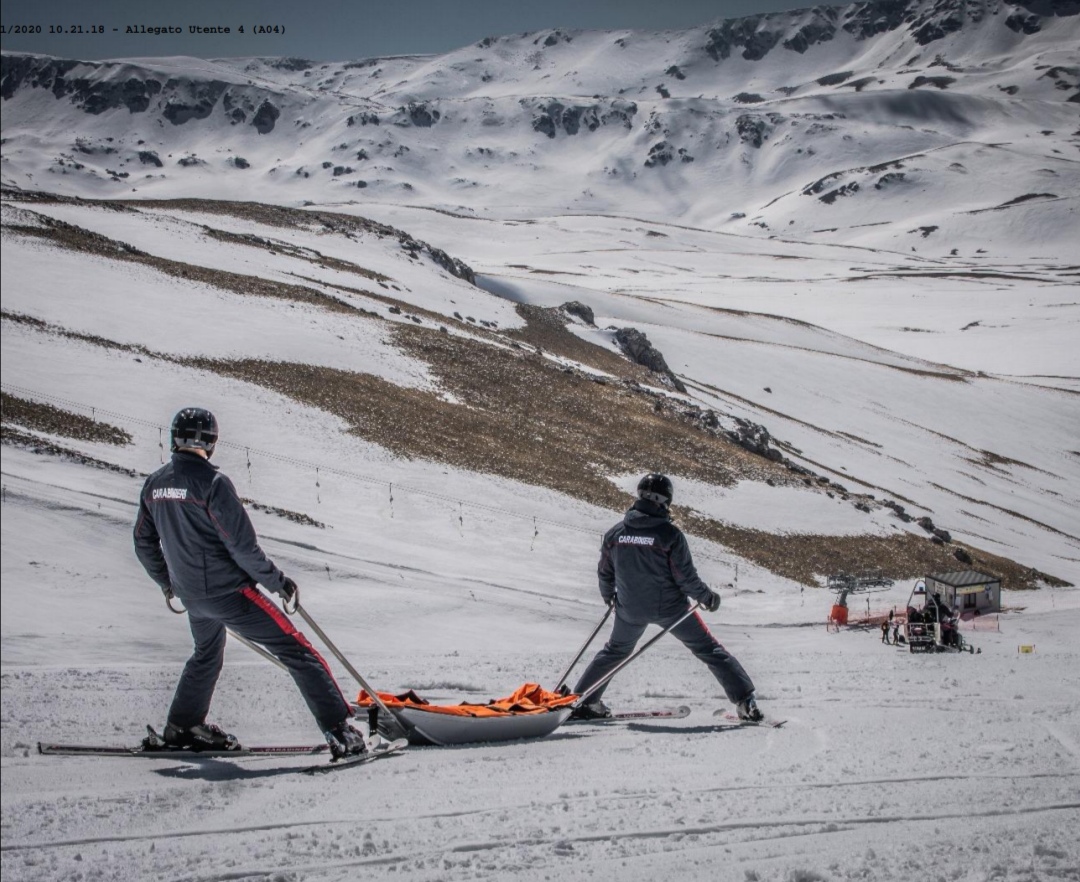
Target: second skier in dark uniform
[[196, 541], [647, 572]]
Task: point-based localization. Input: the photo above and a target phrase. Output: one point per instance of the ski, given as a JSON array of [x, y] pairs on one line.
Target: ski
[[383, 750], [48, 749], [153, 745], [658, 713], [734, 718]]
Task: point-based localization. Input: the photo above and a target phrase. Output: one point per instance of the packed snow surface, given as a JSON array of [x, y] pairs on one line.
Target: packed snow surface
[[890, 764]]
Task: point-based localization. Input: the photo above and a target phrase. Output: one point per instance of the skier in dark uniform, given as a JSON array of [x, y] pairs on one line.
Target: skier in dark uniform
[[647, 572], [196, 541]]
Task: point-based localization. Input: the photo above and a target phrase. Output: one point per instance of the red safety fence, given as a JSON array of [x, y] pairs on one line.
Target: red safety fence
[[969, 622], [874, 619]]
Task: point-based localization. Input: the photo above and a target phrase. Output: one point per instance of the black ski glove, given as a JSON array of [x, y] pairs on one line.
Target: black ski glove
[[287, 591], [711, 602]]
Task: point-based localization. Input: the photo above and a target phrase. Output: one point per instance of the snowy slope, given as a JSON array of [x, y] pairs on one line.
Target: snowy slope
[[950, 443]]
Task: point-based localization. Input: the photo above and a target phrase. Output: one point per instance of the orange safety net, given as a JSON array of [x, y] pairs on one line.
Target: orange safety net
[[528, 699]]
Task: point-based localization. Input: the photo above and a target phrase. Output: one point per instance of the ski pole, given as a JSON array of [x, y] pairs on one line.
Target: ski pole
[[595, 686], [254, 647], [404, 728], [584, 646]]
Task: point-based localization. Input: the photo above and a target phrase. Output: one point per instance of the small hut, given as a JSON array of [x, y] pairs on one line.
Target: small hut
[[966, 591]]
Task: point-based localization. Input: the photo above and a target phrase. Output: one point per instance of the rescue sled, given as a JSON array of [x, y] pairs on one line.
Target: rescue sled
[[528, 712]]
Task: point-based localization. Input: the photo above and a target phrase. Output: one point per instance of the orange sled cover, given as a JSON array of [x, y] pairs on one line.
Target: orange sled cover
[[530, 712], [527, 699]]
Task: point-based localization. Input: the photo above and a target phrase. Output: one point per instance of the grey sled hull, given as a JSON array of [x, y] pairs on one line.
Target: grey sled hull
[[444, 729]]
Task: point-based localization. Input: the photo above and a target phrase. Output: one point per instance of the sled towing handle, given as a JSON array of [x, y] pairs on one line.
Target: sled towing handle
[[254, 647], [595, 686], [390, 715], [585, 645]]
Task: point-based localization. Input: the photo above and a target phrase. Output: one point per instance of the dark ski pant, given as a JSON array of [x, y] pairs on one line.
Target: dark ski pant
[[694, 635], [252, 615]]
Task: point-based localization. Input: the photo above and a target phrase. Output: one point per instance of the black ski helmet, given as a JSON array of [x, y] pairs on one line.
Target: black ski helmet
[[194, 427], [656, 488]]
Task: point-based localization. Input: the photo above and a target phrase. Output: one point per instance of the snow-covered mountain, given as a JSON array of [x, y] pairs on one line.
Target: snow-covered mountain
[[871, 124]]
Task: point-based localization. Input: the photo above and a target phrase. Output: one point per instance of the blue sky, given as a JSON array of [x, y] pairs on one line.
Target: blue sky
[[331, 31]]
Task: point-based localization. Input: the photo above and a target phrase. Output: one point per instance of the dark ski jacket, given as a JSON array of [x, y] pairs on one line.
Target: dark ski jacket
[[645, 564], [193, 535]]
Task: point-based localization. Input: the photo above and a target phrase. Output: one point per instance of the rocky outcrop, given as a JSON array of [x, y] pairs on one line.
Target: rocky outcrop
[[755, 36], [660, 154], [98, 87], [899, 510], [889, 179], [835, 79], [936, 82], [752, 129], [636, 346], [580, 310], [865, 20], [415, 247], [552, 116], [292, 64], [95, 96], [846, 190], [190, 100], [265, 118], [363, 119], [752, 34], [750, 436], [821, 30], [417, 114]]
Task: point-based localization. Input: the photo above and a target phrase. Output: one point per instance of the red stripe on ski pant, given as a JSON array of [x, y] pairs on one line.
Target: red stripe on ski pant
[[264, 603]]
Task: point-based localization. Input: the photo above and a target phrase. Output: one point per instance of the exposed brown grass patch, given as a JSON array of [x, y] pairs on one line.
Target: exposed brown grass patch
[[903, 556], [296, 517], [57, 421], [519, 417], [992, 460], [1008, 511], [347, 225], [73, 238], [310, 255], [13, 437]]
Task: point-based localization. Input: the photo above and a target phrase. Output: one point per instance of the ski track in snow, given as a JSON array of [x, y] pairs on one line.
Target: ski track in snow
[[239, 772]]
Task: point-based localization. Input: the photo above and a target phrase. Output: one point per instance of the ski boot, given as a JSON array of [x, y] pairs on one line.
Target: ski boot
[[205, 736], [748, 710], [594, 710], [345, 741]]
